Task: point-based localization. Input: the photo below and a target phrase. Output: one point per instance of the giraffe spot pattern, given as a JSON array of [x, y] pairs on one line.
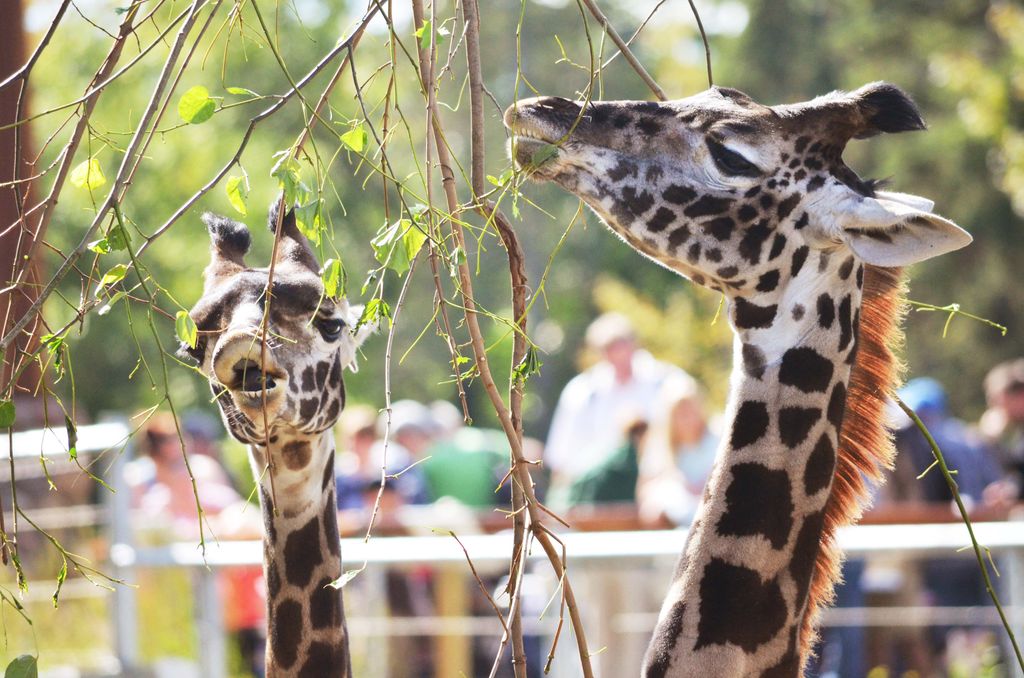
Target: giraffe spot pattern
[[821, 466], [795, 423], [678, 238], [806, 369], [637, 202], [799, 257], [758, 502], [679, 195], [768, 282], [720, 228], [286, 632], [330, 522], [837, 405], [323, 660], [707, 205], [826, 311], [308, 408], [737, 607], [753, 241], [845, 323], [788, 205], [753, 361], [750, 425], [749, 315], [805, 555], [789, 665], [302, 553], [296, 454], [661, 219], [846, 268], [656, 663], [325, 605]]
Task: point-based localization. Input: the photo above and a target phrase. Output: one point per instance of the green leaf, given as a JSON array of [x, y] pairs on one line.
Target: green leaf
[[237, 189], [114, 275], [309, 221], [24, 666], [101, 246], [88, 175], [54, 343], [423, 33], [7, 414], [287, 171], [345, 578], [397, 245], [117, 237], [242, 90], [186, 328], [528, 366], [195, 106], [106, 308], [333, 277], [72, 431], [355, 138], [543, 154], [374, 313], [61, 576]]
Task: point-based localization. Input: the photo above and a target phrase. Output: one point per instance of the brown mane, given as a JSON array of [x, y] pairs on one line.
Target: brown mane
[[865, 444]]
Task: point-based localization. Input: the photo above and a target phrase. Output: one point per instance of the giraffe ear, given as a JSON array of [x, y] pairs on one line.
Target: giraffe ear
[[294, 246], [897, 229], [229, 241]]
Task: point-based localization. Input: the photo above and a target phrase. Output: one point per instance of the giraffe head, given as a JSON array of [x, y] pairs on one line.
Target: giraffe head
[[292, 384], [731, 193]]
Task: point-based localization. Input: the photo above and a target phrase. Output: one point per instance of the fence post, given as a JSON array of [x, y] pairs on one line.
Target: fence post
[[1014, 591], [125, 607], [213, 656]]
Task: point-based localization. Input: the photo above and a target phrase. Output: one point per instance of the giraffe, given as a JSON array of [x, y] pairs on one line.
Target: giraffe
[[281, 400], [757, 203]]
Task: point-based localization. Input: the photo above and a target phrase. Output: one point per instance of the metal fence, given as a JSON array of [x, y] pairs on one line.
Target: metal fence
[[619, 576]]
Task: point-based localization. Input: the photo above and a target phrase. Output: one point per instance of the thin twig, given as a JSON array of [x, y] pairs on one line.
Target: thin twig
[[951, 483], [624, 48], [704, 39]]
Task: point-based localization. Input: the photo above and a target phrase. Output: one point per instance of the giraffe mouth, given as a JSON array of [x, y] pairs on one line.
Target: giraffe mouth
[[252, 382]]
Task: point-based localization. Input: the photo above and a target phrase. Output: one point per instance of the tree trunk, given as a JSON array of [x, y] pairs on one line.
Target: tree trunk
[[16, 234]]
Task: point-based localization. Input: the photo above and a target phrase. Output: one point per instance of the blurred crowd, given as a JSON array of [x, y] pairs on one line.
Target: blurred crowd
[[628, 431]]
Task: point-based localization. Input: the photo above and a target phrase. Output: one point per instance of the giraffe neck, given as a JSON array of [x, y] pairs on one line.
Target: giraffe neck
[[739, 598], [301, 556]]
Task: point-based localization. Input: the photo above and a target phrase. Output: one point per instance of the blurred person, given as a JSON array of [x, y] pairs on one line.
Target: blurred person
[[1002, 424], [412, 430], [164, 495], [466, 463], [678, 455], [596, 406], [979, 478], [355, 471], [614, 480]]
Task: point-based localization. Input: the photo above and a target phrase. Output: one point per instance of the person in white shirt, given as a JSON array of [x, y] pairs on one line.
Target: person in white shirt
[[597, 405]]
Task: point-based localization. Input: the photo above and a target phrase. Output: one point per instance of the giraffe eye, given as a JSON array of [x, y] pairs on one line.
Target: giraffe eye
[[730, 162], [330, 328]]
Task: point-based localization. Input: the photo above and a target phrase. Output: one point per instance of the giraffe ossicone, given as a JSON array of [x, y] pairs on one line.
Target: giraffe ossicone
[[274, 353], [756, 202]]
